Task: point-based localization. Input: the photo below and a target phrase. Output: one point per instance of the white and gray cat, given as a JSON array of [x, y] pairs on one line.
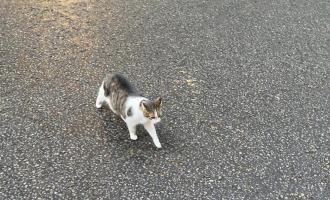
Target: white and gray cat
[[124, 100]]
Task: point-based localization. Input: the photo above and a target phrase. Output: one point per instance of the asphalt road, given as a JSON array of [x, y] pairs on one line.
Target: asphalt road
[[246, 88]]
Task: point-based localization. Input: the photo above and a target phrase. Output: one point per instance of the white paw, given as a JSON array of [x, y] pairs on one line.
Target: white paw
[[98, 105], [133, 137], [158, 145]]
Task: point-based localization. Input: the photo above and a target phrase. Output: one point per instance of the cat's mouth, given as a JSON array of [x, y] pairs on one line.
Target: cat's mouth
[[156, 120]]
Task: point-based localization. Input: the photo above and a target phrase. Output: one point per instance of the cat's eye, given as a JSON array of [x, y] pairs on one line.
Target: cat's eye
[[149, 117]]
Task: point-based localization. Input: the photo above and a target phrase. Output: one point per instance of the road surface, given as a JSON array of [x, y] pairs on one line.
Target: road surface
[[245, 87]]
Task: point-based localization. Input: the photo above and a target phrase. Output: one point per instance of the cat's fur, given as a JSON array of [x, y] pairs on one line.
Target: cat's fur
[[124, 100]]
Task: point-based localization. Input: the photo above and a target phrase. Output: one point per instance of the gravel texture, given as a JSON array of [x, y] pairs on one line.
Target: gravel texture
[[246, 88]]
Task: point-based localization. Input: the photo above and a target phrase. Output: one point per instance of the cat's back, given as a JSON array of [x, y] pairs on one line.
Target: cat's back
[[119, 83]]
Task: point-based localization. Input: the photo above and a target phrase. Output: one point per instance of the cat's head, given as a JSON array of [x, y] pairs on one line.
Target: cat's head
[[152, 109]]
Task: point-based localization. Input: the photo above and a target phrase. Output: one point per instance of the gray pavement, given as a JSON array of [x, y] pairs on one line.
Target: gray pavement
[[245, 83]]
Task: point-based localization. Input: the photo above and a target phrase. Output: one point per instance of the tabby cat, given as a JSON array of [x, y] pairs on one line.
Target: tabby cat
[[125, 101]]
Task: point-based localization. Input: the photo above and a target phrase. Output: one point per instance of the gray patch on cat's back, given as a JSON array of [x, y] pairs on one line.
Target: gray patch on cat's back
[[118, 88], [129, 112], [107, 85]]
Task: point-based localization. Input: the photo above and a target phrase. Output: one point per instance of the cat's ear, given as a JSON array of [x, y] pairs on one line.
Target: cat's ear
[[158, 101], [143, 106]]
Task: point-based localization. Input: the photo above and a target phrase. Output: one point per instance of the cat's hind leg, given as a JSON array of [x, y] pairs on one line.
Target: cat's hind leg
[[100, 97]]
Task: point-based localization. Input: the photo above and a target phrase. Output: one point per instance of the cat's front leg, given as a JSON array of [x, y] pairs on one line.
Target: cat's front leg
[[132, 130], [150, 127]]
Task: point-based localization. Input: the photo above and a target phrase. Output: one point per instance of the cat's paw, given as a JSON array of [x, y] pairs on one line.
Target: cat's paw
[[158, 145], [98, 105], [133, 137]]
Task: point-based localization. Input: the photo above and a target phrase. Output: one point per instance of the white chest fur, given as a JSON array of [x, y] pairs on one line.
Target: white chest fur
[[137, 117]]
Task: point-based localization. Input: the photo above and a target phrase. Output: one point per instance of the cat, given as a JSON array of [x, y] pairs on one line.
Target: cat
[[125, 101]]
